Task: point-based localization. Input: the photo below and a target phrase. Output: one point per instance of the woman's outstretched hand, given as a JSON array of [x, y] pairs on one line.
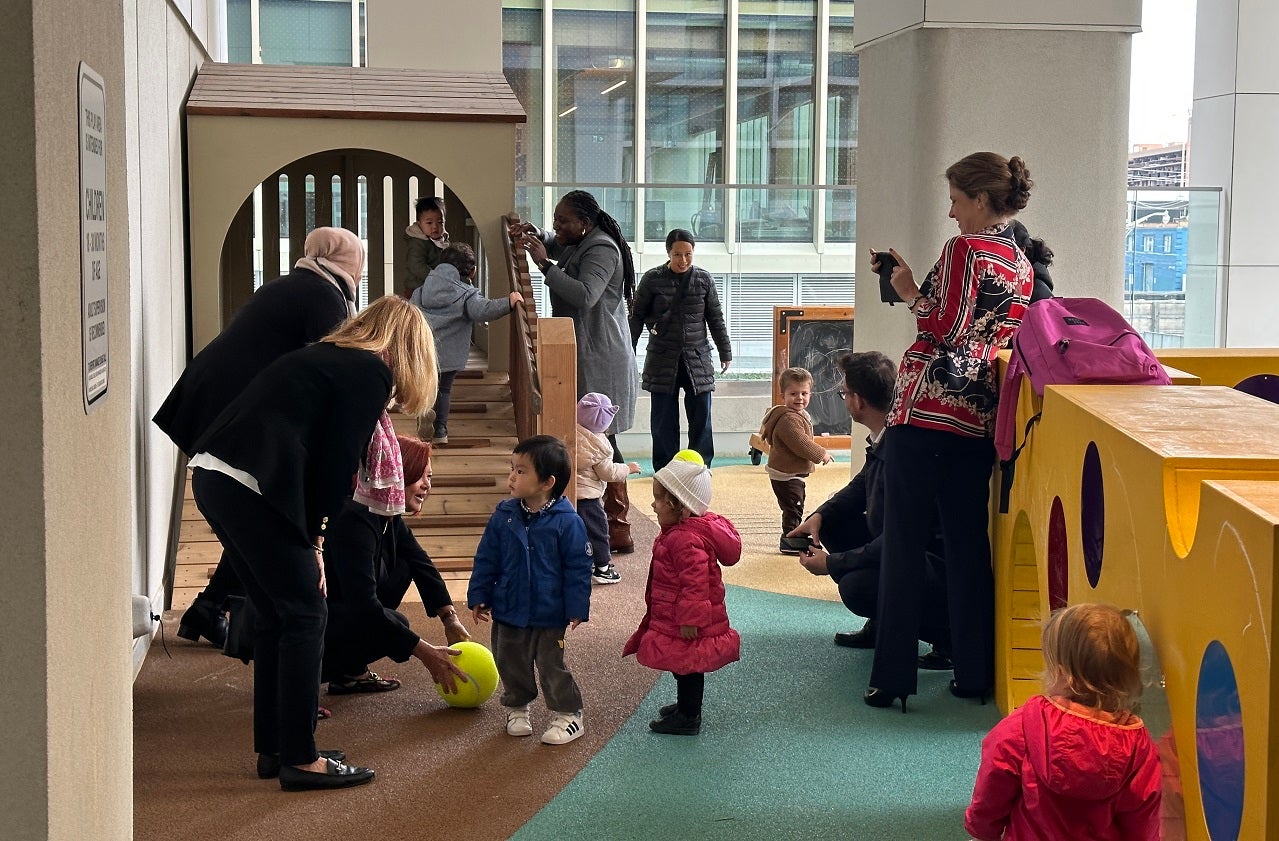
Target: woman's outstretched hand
[[533, 244], [439, 662]]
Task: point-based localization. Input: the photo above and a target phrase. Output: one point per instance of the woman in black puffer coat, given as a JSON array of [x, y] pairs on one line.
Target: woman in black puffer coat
[[676, 303]]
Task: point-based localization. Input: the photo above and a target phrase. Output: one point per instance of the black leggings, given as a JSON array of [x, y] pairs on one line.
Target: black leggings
[[688, 693]]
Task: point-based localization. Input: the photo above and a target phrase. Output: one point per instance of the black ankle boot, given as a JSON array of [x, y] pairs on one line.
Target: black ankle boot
[[203, 619]]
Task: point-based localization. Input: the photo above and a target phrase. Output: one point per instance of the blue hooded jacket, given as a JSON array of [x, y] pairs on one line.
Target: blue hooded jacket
[[533, 571]]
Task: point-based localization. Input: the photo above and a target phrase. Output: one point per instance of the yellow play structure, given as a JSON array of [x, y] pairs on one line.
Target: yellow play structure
[[1164, 500]]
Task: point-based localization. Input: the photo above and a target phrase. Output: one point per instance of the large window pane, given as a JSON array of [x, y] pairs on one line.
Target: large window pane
[[239, 32], [775, 113], [594, 108], [841, 124], [685, 117], [306, 32], [522, 57]]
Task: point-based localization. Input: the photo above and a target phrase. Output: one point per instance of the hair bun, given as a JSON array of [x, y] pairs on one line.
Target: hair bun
[[1019, 185]]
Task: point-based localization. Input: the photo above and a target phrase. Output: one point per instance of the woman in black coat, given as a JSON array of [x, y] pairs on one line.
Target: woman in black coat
[[269, 474], [677, 303], [285, 314], [369, 561]]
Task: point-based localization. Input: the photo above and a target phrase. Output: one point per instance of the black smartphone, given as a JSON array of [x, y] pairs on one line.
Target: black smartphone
[[799, 543], [887, 293]]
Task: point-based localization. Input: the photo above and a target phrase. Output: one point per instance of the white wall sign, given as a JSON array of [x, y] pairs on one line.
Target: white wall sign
[[93, 234]]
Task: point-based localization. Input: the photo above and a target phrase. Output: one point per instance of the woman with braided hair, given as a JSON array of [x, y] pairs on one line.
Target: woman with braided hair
[[592, 281]]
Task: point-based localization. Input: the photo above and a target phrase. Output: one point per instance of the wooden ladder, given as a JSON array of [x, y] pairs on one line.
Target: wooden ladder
[[469, 480]]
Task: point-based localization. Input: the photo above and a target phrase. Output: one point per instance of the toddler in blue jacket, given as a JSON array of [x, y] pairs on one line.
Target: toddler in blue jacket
[[532, 577]]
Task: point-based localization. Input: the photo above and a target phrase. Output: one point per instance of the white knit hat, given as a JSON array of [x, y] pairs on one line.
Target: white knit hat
[[689, 483]]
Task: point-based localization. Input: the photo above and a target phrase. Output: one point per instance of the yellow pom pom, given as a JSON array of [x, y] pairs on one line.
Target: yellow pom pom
[[689, 455], [481, 671]]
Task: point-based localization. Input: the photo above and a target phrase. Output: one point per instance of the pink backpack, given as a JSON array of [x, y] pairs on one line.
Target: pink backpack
[[1067, 341]]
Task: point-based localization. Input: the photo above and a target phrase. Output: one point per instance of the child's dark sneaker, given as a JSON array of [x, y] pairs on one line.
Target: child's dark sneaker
[[606, 575], [677, 724], [667, 711]]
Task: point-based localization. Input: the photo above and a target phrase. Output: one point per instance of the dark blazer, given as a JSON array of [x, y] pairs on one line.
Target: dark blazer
[[301, 427], [677, 310], [283, 315], [857, 511], [369, 561]]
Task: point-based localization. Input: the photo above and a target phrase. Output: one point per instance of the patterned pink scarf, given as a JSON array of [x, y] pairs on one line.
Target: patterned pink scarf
[[379, 484]]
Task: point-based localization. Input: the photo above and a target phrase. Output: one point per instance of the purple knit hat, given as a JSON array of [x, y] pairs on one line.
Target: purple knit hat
[[595, 411]]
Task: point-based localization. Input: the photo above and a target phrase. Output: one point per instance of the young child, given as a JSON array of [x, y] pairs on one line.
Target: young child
[[426, 240], [792, 452], [595, 468], [532, 576], [452, 305], [1074, 762], [685, 629]]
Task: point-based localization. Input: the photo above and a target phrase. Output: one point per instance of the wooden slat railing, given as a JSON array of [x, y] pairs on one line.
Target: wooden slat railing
[[526, 386]]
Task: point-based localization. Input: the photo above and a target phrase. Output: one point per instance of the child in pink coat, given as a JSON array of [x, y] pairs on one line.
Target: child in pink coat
[[685, 630], [1074, 762]]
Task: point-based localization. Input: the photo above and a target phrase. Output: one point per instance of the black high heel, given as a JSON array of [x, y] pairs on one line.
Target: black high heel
[[882, 699], [980, 694]]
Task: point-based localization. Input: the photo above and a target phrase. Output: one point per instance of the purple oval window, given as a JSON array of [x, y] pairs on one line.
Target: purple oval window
[[1092, 514], [1265, 386], [1058, 559], [1219, 743]]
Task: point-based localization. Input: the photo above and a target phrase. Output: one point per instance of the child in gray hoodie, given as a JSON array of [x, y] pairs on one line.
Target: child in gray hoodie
[[452, 305]]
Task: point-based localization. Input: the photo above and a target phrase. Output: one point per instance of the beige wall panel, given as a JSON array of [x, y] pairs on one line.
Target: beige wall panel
[[230, 155], [464, 36], [931, 96], [86, 466], [23, 624]]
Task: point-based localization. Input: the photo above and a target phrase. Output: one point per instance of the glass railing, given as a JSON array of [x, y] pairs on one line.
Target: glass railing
[[1174, 292]]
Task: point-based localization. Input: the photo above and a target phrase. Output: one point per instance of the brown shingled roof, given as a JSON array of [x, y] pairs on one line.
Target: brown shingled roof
[[353, 93]]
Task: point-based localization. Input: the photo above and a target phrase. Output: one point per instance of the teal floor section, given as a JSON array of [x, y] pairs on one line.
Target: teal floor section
[[787, 749]]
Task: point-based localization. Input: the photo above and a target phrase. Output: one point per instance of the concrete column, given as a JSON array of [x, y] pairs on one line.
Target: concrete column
[[65, 536], [1234, 134], [1037, 78]]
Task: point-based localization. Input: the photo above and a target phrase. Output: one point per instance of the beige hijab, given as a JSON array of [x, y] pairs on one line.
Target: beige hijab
[[338, 255]]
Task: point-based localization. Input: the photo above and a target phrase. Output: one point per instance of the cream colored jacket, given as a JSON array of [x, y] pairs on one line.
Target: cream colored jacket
[[595, 465]]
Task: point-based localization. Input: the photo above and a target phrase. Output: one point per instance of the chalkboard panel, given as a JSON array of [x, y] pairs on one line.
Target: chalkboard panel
[[815, 338]]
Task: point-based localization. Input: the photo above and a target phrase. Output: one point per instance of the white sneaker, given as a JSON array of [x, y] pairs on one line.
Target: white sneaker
[[564, 728], [517, 722]]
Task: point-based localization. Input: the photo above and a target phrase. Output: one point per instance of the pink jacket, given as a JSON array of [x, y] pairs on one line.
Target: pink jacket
[[1051, 773], [685, 588]]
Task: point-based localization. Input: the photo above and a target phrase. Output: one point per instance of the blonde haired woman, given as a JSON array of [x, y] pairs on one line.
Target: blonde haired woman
[[268, 474]]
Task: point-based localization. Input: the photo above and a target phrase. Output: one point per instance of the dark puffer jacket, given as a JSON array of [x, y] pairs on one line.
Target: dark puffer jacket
[[678, 328]]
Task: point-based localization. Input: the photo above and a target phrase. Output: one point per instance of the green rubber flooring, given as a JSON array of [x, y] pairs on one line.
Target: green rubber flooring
[[787, 749]]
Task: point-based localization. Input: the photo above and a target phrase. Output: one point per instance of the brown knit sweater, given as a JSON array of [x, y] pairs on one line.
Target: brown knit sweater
[[791, 448]]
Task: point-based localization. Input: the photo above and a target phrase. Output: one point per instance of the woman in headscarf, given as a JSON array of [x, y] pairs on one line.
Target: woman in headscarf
[[284, 315]]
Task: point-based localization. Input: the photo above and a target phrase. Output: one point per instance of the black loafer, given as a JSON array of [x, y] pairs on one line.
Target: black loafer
[[865, 638], [269, 763], [335, 775]]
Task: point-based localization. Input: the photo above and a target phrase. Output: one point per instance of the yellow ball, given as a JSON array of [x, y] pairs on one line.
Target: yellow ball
[[481, 671], [689, 455]]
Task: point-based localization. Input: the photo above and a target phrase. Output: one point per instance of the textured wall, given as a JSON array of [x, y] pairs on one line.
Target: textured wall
[[930, 96]]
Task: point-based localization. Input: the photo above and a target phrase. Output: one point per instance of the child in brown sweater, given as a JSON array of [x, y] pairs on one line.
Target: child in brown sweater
[[792, 453]]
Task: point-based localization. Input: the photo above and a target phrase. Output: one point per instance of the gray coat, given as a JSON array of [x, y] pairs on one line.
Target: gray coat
[[452, 305], [677, 325], [586, 286]]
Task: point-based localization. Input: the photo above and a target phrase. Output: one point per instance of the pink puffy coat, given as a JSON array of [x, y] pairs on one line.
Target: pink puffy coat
[[685, 588], [1050, 773]]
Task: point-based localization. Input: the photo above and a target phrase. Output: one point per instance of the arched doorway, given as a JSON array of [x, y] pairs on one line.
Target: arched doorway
[[366, 191]]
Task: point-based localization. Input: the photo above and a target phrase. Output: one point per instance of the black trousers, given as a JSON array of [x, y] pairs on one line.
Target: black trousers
[[596, 521], [928, 474], [278, 569], [663, 420]]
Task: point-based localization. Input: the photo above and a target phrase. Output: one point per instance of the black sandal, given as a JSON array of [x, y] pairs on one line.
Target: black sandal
[[369, 682]]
